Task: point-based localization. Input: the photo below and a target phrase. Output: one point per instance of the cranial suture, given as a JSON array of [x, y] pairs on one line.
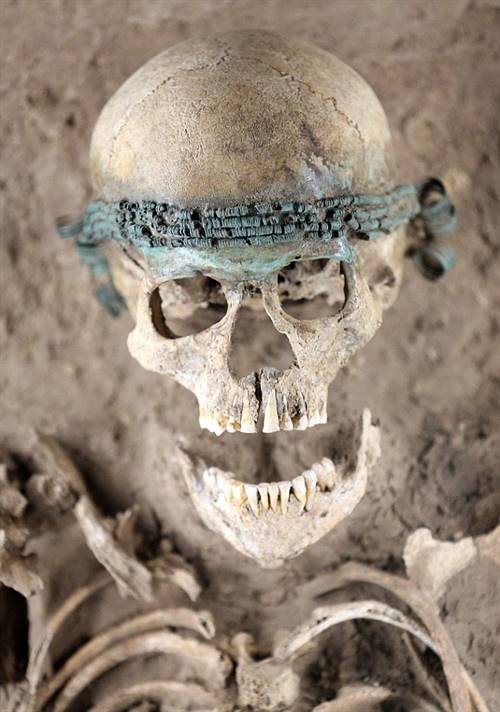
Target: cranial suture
[[232, 159]]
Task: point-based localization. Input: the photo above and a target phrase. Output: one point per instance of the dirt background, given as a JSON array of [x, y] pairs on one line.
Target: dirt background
[[431, 375]]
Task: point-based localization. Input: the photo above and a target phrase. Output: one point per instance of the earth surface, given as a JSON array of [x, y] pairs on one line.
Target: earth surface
[[431, 375]]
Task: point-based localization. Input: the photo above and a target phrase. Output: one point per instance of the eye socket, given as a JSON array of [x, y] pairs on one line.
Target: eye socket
[[183, 307], [312, 289]]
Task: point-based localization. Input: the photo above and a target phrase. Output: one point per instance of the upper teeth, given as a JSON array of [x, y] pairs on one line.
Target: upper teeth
[[277, 413], [274, 496], [271, 419]]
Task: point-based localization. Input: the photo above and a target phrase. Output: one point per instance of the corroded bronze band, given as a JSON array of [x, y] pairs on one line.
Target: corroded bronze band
[[336, 220], [149, 224]]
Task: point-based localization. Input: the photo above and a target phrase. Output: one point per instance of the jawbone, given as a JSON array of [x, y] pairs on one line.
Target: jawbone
[[274, 522]]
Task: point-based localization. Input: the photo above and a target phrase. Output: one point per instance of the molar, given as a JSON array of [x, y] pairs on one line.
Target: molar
[[325, 472]]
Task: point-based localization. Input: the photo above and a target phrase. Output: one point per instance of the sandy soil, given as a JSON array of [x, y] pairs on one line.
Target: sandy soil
[[431, 375]]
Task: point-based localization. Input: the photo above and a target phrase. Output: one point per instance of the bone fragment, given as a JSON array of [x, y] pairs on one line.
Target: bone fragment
[[358, 699], [172, 568], [430, 564], [268, 685], [424, 676], [14, 696], [131, 576], [17, 570], [488, 545], [57, 463]]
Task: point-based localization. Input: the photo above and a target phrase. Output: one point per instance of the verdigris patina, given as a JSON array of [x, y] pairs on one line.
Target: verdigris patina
[[331, 221]]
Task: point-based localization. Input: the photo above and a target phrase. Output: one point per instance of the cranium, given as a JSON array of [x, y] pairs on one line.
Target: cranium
[[256, 172], [246, 163]]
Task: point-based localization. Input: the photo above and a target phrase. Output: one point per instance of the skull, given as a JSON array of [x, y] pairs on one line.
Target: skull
[[244, 170], [249, 173]]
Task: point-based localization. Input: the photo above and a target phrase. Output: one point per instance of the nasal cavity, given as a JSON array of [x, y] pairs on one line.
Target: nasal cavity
[[255, 344]]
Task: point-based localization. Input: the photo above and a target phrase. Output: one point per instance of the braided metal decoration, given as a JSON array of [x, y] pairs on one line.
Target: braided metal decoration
[[336, 220]]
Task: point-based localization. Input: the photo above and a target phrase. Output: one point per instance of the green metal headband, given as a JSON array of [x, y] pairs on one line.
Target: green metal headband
[[336, 220]]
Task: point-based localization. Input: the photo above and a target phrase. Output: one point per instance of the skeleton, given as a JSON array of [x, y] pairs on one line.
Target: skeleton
[[250, 171], [264, 679]]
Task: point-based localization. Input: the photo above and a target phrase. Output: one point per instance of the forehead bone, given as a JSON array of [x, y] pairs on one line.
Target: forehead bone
[[242, 117]]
